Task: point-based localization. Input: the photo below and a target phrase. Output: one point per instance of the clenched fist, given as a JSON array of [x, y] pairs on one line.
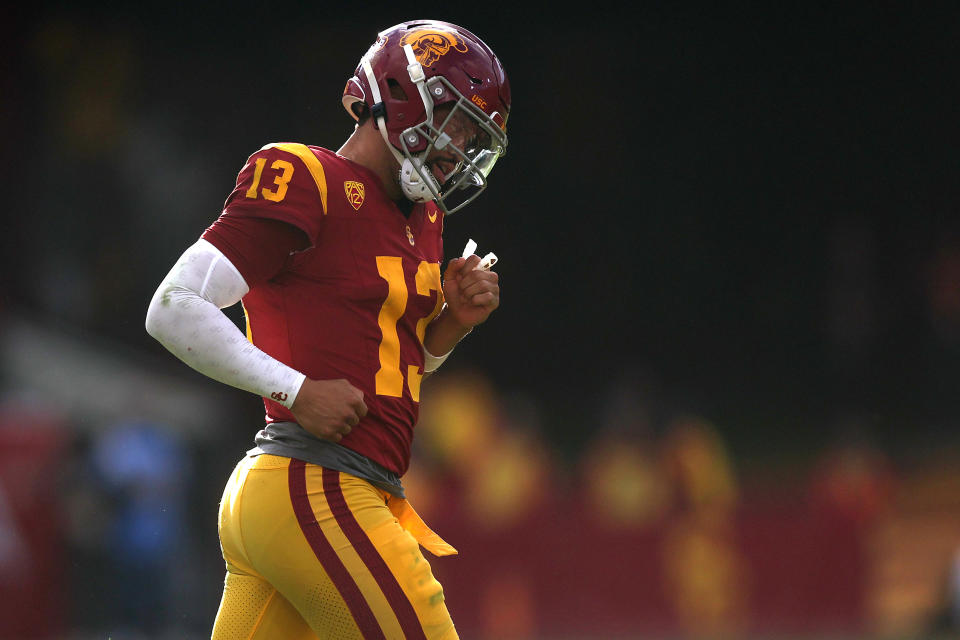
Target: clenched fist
[[328, 409]]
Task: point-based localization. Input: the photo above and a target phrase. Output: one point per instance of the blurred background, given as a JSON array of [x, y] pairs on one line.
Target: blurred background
[[721, 398]]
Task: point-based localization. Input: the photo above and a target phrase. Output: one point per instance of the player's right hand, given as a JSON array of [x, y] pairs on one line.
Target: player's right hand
[[328, 409]]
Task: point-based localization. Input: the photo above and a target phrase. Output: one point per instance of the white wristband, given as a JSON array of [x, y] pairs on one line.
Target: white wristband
[[431, 362]]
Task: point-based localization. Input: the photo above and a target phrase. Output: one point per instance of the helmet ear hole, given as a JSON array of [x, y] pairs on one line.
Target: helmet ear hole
[[360, 110], [396, 91]]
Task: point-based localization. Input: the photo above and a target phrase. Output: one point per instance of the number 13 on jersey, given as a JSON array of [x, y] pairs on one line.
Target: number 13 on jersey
[[389, 378]]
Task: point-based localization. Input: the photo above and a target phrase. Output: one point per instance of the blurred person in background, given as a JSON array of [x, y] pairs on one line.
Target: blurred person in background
[[143, 469], [33, 593], [337, 257], [705, 569], [624, 484]]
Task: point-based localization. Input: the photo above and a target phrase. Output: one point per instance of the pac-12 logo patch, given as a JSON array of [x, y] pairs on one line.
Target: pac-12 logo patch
[[429, 44], [354, 191]]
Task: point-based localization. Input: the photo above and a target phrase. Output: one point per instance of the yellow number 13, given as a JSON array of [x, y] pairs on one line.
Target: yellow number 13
[[389, 378], [281, 180]]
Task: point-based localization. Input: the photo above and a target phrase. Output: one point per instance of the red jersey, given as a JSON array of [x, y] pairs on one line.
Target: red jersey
[[357, 302]]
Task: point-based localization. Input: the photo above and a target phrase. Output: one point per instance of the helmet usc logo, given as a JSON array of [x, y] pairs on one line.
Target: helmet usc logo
[[430, 44]]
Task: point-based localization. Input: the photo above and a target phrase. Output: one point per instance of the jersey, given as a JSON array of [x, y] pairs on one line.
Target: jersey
[[355, 304]]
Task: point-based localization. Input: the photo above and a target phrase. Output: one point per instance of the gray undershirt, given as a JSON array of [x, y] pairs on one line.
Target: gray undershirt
[[290, 440]]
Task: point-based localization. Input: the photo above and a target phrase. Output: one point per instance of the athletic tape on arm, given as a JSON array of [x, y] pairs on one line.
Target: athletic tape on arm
[[184, 316]]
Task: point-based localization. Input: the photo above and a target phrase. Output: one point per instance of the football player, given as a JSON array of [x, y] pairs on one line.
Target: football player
[[336, 256]]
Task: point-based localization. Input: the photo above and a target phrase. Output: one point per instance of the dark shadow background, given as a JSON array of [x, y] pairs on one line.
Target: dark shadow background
[[750, 202], [753, 206]]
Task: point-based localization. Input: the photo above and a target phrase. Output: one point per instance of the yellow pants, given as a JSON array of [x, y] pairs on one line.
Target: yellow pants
[[313, 552]]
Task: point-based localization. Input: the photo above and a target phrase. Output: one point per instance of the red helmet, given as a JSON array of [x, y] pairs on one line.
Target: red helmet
[[412, 69]]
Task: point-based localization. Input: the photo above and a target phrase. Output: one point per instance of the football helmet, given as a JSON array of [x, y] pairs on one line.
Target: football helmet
[[423, 81]]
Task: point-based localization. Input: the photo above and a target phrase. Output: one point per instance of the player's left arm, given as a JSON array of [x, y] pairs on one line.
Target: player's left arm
[[471, 295]]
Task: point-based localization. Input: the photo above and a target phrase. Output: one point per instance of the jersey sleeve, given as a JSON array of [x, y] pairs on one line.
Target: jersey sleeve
[[282, 181], [258, 247]]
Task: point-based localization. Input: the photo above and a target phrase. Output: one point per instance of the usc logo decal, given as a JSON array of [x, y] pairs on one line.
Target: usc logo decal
[[429, 44], [354, 191]]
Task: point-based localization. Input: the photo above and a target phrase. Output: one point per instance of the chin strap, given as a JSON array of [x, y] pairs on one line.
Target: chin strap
[[413, 179]]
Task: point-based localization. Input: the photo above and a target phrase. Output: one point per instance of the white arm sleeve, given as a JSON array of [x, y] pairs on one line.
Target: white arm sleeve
[[184, 316]]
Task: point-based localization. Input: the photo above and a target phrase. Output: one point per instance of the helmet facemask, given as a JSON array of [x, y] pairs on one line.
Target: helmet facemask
[[472, 161]]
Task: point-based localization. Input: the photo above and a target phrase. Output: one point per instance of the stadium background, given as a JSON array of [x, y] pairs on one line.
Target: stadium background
[[720, 398]]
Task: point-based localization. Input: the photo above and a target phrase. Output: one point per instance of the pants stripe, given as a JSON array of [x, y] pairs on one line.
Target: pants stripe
[[397, 599], [325, 553]]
